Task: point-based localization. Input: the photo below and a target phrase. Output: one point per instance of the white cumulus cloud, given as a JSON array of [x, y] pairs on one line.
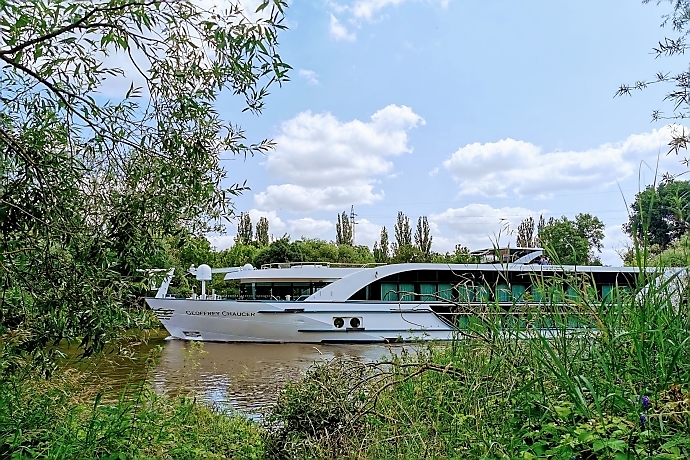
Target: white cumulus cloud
[[309, 75], [367, 232], [477, 226], [310, 228], [328, 164], [521, 168], [305, 199], [340, 32], [368, 10]]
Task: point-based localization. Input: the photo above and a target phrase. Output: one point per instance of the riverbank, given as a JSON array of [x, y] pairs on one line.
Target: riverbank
[[65, 417], [615, 391]]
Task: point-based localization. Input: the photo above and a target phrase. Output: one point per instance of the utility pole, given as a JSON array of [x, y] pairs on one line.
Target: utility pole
[[352, 222]]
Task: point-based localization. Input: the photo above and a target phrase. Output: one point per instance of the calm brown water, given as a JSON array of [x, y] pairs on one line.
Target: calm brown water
[[244, 377]]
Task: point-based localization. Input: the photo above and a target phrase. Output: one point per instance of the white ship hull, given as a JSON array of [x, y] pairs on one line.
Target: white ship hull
[[305, 322], [372, 304]]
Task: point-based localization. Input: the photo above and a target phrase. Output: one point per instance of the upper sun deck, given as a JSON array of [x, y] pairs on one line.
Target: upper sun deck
[[318, 272], [491, 259], [508, 255]]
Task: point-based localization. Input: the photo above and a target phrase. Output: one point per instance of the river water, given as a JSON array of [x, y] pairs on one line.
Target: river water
[[244, 377]]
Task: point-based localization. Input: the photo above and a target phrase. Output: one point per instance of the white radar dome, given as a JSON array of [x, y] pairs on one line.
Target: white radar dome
[[203, 273], [247, 267]]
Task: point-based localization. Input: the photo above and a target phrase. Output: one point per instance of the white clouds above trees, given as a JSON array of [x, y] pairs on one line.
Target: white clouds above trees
[[311, 228], [476, 225], [297, 198], [330, 164], [514, 167]]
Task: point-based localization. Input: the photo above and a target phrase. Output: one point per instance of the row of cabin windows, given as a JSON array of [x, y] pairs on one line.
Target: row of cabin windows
[[524, 322], [281, 291], [503, 293]]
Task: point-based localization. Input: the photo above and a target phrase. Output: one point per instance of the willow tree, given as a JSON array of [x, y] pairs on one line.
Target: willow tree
[[109, 143], [677, 84]]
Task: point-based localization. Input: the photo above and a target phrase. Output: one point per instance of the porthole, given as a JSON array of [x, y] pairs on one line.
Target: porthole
[[338, 322], [354, 323]]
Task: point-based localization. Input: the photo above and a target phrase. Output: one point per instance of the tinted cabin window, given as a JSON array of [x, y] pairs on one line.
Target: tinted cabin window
[[518, 292], [428, 292], [573, 293], [445, 291], [407, 292], [361, 294], [538, 293], [607, 292], [389, 291], [481, 294], [465, 293], [503, 294], [486, 286]]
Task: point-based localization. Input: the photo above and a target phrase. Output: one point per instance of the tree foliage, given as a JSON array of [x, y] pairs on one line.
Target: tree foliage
[[93, 180], [423, 238], [407, 253], [573, 242], [678, 83], [658, 215], [526, 237], [281, 250], [461, 255], [403, 232], [311, 250], [344, 230], [245, 231], [381, 248], [262, 231]]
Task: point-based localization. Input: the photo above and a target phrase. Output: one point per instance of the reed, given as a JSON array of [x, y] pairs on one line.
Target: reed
[[577, 379]]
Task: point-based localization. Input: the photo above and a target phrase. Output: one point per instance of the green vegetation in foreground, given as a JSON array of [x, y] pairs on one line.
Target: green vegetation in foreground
[[64, 417], [618, 391]]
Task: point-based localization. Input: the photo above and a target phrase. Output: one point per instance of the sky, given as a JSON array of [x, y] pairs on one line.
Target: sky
[[474, 114]]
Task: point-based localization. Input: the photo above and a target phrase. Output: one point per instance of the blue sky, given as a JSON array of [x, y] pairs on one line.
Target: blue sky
[[475, 114]]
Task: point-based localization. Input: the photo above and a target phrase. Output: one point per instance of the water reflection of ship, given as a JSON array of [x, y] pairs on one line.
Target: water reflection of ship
[[243, 376]]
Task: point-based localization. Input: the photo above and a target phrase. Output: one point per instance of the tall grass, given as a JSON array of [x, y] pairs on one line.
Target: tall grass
[[68, 417], [578, 379]]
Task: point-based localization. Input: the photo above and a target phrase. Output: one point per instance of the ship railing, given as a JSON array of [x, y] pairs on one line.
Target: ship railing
[[319, 265], [258, 297]]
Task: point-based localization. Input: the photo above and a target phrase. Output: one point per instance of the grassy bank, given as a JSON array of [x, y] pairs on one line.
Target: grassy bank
[[66, 417], [617, 390], [540, 388]]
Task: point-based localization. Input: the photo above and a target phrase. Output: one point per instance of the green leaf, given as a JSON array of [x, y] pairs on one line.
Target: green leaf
[[562, 412]]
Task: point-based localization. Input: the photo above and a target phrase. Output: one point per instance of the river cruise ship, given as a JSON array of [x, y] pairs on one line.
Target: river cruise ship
[[321, 302]]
